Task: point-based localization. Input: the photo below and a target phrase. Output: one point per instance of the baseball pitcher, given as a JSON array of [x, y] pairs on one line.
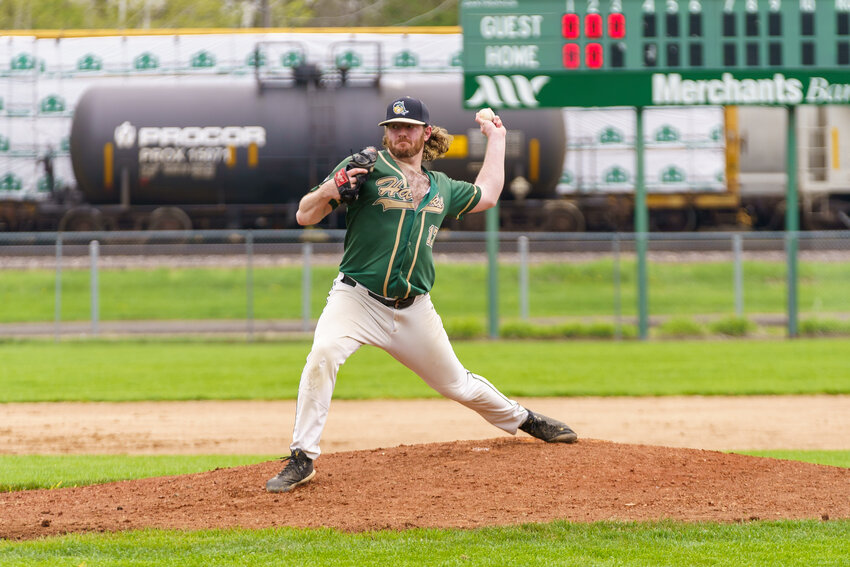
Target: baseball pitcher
[[381, 296]]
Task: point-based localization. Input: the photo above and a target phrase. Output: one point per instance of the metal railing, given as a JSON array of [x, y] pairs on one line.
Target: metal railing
[[591, 266]]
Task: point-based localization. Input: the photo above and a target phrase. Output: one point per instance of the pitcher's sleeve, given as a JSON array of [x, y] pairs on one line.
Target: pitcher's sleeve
[[465, 196]]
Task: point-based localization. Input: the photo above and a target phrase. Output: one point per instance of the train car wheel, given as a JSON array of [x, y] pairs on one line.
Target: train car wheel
[[777, 219], [674, 220], [562, 216], [8, 222], [81, 219], [169, 218]]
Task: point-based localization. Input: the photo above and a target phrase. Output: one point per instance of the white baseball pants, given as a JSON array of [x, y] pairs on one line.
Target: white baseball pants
[[414, 336]]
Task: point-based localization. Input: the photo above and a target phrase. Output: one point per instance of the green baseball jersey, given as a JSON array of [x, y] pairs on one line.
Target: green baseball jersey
[[388, 243]]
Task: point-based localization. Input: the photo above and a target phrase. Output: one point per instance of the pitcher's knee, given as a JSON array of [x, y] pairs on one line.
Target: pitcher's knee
[[324, 359]]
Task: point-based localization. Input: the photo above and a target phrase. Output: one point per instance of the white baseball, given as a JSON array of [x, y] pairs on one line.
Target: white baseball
[[486, 114]]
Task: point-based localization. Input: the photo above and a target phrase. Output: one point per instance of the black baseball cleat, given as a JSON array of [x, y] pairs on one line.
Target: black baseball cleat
[[548, 429], [299, 470]]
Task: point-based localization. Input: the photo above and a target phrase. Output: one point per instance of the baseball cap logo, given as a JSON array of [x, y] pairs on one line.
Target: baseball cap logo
[[398, 108]]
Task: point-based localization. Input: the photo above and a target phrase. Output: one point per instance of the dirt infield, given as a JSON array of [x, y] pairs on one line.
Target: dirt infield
[[654, 465], [264, 428]]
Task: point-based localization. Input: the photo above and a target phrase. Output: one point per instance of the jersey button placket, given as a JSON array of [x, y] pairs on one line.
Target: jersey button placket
[[405, 259]]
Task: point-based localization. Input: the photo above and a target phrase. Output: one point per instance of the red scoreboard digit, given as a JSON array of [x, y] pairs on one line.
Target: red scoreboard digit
[[594, 28], [571, 56], [570, 27], [616, 25], [593, 25], [593, 55]]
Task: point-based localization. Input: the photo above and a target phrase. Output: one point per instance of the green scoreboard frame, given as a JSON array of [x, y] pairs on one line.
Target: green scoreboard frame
[[556, 53]]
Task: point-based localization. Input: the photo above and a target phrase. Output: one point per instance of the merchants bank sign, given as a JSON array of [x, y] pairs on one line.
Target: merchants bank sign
[[656, 89], [672, 89]]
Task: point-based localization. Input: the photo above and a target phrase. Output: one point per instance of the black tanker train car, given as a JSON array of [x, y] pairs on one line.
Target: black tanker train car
[[241, 156]]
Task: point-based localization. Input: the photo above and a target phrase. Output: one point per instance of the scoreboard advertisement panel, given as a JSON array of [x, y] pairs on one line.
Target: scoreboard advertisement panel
[[554, 53]]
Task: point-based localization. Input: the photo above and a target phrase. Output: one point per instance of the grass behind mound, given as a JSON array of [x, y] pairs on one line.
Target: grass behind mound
[[786, 543], [187, 370]]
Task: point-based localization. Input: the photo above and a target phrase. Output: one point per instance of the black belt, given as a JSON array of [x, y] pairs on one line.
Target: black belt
[[396, 303]]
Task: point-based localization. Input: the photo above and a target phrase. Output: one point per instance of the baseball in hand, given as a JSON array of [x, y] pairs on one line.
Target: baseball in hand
[[486, 114]]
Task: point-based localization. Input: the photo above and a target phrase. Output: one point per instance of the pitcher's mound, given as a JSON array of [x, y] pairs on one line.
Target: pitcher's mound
[[464, 484]]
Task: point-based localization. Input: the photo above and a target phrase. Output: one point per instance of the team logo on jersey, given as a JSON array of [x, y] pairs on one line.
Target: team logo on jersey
[[393, 194], [436, 205], [398, 108]]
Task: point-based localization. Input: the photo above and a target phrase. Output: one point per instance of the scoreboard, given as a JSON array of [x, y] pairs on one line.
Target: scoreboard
[[538, 53]]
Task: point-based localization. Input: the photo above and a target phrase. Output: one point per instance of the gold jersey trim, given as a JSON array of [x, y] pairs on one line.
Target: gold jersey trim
[[395, 250], [474, 193]]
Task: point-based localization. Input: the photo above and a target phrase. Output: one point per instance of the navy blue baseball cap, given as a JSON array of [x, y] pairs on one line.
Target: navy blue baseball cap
[[408, 110]]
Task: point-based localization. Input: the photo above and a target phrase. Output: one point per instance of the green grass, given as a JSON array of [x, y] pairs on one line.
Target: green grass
[[26, 472], [556, 290], [804, 543], [831, 458], [136, 370], [186, 370]]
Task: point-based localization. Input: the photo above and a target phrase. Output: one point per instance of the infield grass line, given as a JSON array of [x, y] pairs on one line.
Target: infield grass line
[[28, 472], [819, 457], [788, 543], [38, 371]]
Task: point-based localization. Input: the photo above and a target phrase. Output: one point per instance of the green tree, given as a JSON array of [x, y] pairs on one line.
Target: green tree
[[105, 14], [186, 14]]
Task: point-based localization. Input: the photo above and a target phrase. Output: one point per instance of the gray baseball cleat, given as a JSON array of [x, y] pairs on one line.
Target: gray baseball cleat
[[299, 470], [548, 429]]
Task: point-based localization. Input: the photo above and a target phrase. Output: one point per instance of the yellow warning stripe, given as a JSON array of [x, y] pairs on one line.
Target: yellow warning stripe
[[836, 161], [108, 165]]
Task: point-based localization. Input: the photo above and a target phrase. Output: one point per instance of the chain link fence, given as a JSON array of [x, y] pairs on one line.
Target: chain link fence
[[250, 284]]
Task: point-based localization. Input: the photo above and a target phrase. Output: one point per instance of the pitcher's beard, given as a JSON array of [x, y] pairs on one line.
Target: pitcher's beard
[[413, 147]]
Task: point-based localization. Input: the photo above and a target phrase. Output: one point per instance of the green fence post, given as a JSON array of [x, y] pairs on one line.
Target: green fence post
[[249, 284], [522, 248], [57, 307], [306, 284], [618, 309], [94, 287], [492, 224], [792, 221], [641, 229]]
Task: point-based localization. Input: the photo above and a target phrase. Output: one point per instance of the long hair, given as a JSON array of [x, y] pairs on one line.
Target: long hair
[[435, 147], [438, 144]]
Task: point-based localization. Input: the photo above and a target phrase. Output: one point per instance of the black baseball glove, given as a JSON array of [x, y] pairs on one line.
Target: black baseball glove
[[349, 186]]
